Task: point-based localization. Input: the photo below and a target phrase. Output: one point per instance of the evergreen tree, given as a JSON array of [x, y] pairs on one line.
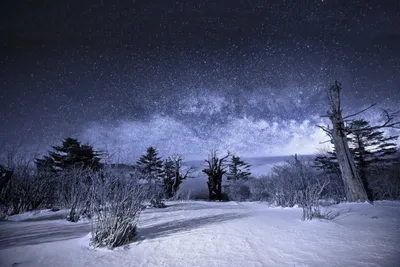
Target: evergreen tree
[[369, 147], [238, 169], [150, 166], [72, 158], [70, 154]]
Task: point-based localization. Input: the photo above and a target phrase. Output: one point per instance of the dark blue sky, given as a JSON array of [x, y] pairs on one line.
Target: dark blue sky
[[125, 73]]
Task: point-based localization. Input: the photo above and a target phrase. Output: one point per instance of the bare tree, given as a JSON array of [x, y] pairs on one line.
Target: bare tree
[[353, 184], [174, 174], [354, 188], [216, 168]]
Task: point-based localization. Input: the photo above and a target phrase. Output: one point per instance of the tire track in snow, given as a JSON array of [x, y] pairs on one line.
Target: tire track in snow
[[14, 234]]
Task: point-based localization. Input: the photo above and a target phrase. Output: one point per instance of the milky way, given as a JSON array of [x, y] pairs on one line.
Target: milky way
[[189, 76]]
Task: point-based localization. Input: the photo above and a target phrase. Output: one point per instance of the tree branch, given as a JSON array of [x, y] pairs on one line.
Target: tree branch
[[355, 114], [388, 123], [324, 142]]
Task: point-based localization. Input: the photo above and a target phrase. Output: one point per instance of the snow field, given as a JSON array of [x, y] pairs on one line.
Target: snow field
[[197, 233]]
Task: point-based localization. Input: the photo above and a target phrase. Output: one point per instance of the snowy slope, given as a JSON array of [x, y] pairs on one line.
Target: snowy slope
[[233, 234]]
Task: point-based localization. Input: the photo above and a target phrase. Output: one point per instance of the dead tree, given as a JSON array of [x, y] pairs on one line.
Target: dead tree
[[353, 184], [354, 189], [174, 175], [215, 170], [179, 176]]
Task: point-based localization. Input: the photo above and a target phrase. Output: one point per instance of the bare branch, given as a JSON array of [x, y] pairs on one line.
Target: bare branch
[[388, 123], [357, 113], [327, 141], [326, 129]]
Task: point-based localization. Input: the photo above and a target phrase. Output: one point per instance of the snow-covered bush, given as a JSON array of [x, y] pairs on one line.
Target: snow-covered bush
[[286, 185], [31, 190], [298, 183], [260, 188], [309, 197], [182, 194], [26, 191], [74, 192], [116, 203], [238, 190]]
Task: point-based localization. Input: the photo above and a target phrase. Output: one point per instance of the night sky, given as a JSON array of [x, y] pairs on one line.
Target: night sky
[[189, 76]]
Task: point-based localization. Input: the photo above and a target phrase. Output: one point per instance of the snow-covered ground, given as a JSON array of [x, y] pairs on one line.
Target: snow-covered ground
[[208, 234], [39, 215]]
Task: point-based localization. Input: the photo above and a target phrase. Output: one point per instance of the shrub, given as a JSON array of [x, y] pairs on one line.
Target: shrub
[[238, 190], [298, 183], [117, 202], [260, 188], [26, 191], [182, 194]]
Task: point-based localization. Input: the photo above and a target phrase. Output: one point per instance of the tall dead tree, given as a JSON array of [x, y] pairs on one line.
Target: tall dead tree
[[354, 189], [216, 168], [174, 175]]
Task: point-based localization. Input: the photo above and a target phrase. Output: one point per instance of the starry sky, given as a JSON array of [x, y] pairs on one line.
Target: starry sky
[[188, 76]]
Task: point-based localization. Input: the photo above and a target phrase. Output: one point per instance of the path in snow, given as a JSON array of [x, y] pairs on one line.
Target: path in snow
[[36, 232]]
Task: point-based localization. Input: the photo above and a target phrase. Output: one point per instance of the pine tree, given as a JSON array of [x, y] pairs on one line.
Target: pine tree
[[238, 169], [369, 147], [150, 166], [327, 162], [72, 157], [70, 154]]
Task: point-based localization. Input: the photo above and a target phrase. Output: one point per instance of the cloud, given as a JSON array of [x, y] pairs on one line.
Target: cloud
[[205, 104], [254, 125], [246, 136]]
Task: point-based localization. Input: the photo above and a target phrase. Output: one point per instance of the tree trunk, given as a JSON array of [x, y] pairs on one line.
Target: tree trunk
[[362, 167], [211, 191], [354, 188], [215, 189], [177, 182], [5, 177]]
